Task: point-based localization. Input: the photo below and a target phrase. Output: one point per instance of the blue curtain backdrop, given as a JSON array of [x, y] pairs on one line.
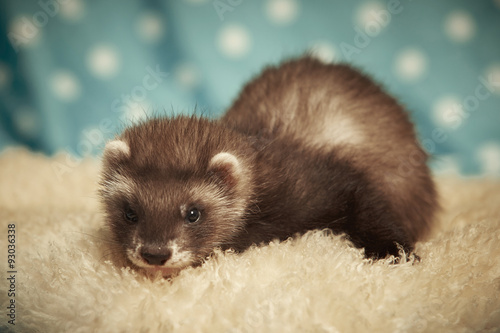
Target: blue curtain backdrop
[[73, 72]]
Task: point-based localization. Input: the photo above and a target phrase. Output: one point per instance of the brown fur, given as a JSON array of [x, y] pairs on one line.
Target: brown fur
[[309, 101], [169, 167], [305, 146]]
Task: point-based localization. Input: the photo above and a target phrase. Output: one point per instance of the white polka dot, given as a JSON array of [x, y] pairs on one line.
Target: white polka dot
[[489, 157], [26, 122], [234, 41], [460, 26], [492, 77], [369, 12], [65, 85], [150, 27], [103, 61], [448, 111], [323, 51], [137, 111], [446, 164], [187, 75], [23, 33], [73, 10], [5, 76], [410, 64], [282, 11]]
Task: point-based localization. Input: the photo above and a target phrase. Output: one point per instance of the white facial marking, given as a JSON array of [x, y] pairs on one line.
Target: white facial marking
[[183, 210], [179, 259], [117, 148], [133, 254], [118, 184]]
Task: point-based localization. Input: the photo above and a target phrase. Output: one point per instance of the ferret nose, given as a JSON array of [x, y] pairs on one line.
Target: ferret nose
[[156, 257]]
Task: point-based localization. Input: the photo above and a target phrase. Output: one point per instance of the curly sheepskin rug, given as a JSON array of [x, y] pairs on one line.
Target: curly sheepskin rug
[[65, 279]]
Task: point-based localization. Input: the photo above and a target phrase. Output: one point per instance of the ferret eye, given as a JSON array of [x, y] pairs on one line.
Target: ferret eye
[[193, 215], [130, 216]]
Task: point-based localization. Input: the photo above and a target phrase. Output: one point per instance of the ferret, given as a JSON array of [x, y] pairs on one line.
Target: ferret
[[305, 146]]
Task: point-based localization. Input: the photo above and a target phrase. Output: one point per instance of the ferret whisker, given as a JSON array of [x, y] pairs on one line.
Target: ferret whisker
[[109, 254], [101, 239], [338, 220]]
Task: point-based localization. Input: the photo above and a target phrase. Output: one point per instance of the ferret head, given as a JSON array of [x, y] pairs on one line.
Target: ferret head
[[174, 189]]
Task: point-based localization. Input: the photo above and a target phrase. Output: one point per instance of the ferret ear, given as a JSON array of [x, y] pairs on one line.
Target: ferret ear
[[226, 167], [116, 150]]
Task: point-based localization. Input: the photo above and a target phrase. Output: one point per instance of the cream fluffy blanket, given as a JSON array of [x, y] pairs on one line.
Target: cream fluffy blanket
[[65, 282]]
